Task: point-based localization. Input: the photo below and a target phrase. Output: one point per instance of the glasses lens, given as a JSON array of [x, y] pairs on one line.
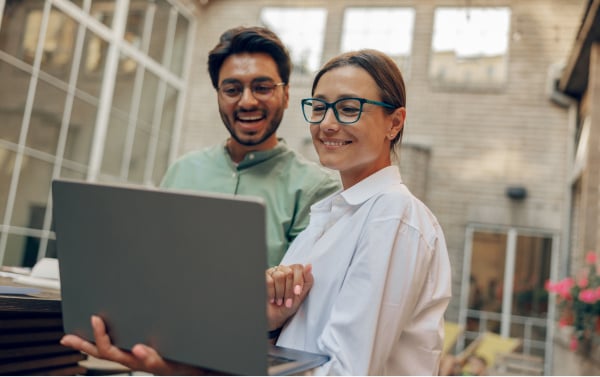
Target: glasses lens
[[348, 110], [231, 90], [314, 110], [263, 90], [260, 90]]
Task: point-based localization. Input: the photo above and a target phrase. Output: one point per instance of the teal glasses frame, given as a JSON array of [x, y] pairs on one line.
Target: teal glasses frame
[[350, 109]]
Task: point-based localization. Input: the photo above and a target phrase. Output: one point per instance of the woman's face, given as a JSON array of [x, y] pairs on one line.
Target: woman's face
[[360, 149]]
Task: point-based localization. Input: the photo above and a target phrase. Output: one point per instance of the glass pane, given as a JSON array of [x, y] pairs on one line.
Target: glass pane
[[58, 44], [162, 158], [13, 24], [95, 52], [168, 111], [15, 254], [133, 35], [148, 101], [376, 27], [31, 34], [179, 45], [115, 144], [469, 47], [135, 22], [487, 275], [51, 249], [31, 248], [92, 64], [139, 155], [159, 29], [7, 166], [81, 131], [32, 192], [70, 173], [165, 135], [13, 101], [532, 270], [46, 118], [124, 86], [141, 14], [304, 43], [96, 48]]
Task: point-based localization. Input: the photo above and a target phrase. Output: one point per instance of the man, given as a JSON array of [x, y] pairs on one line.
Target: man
[[250, 69]]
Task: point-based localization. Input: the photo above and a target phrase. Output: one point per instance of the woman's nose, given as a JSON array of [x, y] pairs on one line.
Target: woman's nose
[[329, 122]]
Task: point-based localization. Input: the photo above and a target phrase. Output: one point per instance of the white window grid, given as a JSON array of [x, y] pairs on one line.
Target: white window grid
[[117, 45]]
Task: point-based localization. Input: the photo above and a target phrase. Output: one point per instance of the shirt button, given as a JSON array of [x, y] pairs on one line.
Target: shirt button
[[233, 175], [251, 156]]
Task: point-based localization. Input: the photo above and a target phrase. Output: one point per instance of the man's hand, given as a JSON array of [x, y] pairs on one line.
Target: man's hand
[[141, 357]]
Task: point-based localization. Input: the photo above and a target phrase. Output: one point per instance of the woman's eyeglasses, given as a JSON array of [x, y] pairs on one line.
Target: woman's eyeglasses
[[346, 110]]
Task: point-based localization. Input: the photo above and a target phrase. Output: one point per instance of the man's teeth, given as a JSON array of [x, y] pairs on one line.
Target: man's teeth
[[335, 143], [250, 119]]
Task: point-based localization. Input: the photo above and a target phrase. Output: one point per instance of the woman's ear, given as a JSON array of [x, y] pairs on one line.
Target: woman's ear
[[398, 117]]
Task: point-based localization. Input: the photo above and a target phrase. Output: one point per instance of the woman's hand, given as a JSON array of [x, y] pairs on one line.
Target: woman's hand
[[287, 287], [141, 357]]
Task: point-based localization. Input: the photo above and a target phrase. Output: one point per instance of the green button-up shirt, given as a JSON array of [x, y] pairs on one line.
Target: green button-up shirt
[[288, 182]]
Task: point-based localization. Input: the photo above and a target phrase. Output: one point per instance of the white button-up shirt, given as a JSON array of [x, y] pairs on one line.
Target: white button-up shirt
[[382, 281]]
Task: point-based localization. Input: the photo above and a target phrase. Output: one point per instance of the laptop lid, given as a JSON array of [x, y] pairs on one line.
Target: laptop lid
[[182, 272]]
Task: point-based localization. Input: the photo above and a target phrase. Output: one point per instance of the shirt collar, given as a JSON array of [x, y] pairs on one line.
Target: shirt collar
[[374, 184], [256, 157]]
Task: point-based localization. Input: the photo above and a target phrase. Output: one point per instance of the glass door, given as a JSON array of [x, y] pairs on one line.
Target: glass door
[[505, 270]]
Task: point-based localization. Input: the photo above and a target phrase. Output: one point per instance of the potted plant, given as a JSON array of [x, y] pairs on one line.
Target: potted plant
[[579, 304]]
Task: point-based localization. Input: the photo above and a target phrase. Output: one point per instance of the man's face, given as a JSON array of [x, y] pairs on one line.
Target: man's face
[[252, 117]]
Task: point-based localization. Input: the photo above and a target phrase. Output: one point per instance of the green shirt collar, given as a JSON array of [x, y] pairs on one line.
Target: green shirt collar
[[256, 157]]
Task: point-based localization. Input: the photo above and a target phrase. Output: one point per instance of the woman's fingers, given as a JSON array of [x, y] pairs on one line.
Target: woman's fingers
[[280, 276], [286, 283], [307, 278]]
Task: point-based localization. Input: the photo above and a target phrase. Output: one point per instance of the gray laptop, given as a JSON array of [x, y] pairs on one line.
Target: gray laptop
[[180, 271]]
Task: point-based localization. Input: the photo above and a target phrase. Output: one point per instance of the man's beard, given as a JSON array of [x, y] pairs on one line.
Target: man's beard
[[271, 129]]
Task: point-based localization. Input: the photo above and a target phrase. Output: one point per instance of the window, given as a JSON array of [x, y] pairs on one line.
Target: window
[[503, 290], [389, 30], [302, 31], [469, 48], [83, 103]]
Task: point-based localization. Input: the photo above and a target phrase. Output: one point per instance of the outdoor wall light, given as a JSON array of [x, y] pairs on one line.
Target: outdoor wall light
[[516, 192]]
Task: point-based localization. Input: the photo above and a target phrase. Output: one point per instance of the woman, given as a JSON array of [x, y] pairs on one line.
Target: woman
[[373, 256], [378, 255]]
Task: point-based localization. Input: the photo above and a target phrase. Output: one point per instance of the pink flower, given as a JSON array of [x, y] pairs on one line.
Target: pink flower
[[563, 288], [573, 344], [590, 257], [563, 322], [583, 282], [588, 296]]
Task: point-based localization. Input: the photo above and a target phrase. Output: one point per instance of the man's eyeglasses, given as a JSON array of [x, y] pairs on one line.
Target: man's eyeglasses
[[261, 90], [346, 110]]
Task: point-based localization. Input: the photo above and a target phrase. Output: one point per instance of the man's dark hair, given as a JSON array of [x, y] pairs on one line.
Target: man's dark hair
[[249, 40]]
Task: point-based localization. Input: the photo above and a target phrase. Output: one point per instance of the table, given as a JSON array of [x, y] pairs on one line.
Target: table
[[30, 331]]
